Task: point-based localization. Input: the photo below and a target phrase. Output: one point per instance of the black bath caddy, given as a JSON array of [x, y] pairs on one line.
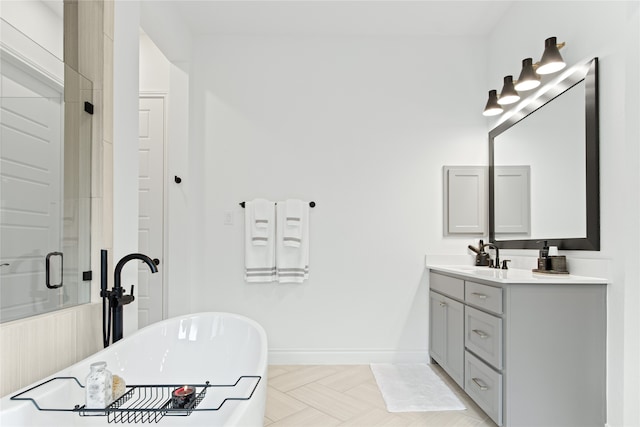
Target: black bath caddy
[[145, 403]]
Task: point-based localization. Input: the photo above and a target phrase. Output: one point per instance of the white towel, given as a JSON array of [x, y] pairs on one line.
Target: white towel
[[292, 262], [260, 260], [261, 211], [292, 233], [261, 217]]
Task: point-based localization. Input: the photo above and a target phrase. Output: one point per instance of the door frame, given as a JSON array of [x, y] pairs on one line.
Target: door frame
[[165, 205]]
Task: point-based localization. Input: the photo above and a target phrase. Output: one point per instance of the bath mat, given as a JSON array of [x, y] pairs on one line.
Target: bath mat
[[414, 388]]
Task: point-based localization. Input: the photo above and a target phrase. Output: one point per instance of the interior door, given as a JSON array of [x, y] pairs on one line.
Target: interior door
[[151, 208], [31, 158]]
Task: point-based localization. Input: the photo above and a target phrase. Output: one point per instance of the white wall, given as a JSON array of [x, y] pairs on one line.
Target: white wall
[[154, 67], [363, 127], [125, 146], [608, 30]]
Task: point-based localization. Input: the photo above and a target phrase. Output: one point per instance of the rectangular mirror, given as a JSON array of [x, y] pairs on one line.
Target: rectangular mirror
[[555, 135]]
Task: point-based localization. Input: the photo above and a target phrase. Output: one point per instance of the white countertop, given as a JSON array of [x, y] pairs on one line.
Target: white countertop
[[514, 275]]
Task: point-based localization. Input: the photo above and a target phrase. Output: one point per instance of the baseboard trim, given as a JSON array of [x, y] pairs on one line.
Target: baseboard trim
[[289, 356]]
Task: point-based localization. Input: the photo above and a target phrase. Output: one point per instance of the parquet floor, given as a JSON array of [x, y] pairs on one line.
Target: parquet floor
[[327, 395]]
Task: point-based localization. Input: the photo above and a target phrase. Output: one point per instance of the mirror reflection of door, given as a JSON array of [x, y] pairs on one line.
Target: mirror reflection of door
[[31, 157]]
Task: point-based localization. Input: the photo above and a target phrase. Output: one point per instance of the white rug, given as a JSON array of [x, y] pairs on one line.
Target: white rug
[[414, 388]]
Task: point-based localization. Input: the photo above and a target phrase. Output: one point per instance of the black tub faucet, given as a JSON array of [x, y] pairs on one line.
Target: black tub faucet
[[117, 299]]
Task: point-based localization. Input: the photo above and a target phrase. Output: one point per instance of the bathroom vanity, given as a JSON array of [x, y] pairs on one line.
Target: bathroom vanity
[[529, 349]]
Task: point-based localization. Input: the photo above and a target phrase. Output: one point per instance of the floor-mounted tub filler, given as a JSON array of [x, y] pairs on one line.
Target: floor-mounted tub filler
[[220, 358]]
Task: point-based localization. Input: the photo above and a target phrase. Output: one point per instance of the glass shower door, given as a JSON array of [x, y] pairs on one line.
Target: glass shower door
[[45, 159], [31, 194]]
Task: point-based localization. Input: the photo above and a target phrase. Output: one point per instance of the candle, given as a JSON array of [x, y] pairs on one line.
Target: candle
[[183, 396]]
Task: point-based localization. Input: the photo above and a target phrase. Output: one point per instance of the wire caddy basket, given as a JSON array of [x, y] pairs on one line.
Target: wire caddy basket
[[146, 403]]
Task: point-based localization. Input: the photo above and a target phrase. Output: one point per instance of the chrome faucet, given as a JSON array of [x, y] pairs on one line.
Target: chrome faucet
[[117, 298]]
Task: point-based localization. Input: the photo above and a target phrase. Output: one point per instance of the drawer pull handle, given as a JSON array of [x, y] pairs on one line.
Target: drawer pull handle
[[479, 295], [443, 304], [481, 334], [481, 385]]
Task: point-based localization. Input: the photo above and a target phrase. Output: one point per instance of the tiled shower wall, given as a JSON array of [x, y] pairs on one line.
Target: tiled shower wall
[[33, 348], [39, 346]]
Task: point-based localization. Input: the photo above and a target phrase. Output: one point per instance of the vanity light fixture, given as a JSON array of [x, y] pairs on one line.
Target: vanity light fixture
[[492, 108], [551, 60], [508, 94], [528, 79]]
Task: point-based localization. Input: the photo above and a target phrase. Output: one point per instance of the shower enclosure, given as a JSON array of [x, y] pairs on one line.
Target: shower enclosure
[[45, 165]]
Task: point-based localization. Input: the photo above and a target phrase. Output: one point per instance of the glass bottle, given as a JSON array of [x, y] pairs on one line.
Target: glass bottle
[[98, 386]]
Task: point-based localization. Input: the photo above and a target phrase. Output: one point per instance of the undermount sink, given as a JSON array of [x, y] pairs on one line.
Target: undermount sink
[[483, 271], [486, 271]]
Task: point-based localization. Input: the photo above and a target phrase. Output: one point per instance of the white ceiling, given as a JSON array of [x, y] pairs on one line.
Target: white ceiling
[[341, 17]]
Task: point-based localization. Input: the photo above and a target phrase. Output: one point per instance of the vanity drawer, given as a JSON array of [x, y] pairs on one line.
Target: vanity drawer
[[483, 335], [484, 385], [447, 285], [483, 296]]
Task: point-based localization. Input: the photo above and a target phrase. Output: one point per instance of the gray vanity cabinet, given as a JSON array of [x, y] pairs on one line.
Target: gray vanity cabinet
[[533, 354]]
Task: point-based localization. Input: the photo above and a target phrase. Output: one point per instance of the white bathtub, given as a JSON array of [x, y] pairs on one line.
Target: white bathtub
[[192, 349]]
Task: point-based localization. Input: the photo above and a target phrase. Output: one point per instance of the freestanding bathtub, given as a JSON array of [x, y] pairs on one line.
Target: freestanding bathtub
[[227, 350]]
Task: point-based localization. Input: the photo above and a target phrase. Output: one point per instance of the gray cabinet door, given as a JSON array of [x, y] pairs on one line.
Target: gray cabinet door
[[465, 193], [446, 335]]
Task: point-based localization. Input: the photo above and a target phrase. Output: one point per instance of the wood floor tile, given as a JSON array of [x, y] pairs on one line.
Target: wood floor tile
[[330, 401], [276, 370], [280, 405], [473, 410], [348, 396], [378, 418], [442, 419], [347, 377], [309, 417], [298, 377], [368, 392]]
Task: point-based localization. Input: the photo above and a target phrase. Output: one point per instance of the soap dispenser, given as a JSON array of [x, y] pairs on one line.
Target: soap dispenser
[[543, 258]]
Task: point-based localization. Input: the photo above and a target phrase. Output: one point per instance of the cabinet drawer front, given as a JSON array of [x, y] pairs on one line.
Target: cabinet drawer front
[[484, 385], [483, 296], [483, 335], [447, 285]]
